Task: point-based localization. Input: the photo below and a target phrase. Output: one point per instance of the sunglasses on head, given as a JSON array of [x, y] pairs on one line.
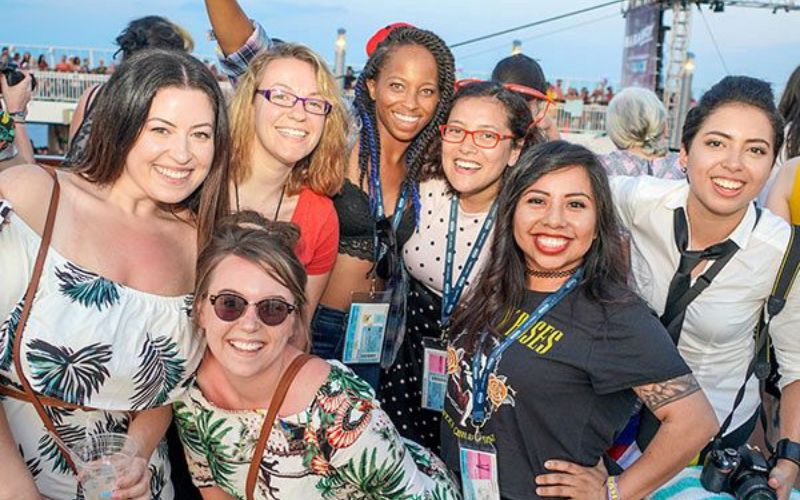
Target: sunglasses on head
[[230, 307], [528, 93]]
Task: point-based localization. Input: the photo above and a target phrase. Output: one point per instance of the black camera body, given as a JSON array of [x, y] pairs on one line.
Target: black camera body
[[14, 75], [742, 473]]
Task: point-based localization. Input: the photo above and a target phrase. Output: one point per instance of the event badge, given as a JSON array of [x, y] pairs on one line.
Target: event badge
[[434, 374], [479, 471], [366, 327]]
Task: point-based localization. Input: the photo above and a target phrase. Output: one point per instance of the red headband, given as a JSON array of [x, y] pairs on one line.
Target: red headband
[[381, 35]]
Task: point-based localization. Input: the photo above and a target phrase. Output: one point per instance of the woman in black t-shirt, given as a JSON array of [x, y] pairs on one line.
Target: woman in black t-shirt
[[568, 379]]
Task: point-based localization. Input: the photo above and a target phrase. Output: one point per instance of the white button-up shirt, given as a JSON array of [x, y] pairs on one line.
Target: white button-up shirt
[[717, 336]]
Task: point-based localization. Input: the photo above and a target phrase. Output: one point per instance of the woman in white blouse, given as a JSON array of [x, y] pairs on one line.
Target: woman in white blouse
[[729, 143]]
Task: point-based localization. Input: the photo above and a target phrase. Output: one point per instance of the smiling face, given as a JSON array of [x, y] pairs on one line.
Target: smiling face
[[287, 135], [729, 161], [471, 170], [173, 152], [555, 220], [405, 92], [245, 347]]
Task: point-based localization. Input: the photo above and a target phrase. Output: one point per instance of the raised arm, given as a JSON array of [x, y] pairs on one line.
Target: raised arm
[[231, 25]]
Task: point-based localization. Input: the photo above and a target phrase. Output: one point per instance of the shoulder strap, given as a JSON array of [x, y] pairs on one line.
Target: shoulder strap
[[269, 420], [786, 274], [30, 293], [90, 101]]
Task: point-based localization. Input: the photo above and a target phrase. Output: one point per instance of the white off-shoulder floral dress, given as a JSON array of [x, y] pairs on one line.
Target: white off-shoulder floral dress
[[91, 342]]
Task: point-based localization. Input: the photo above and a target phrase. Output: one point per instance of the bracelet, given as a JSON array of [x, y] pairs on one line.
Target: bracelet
[[612, 488], [19, 116]]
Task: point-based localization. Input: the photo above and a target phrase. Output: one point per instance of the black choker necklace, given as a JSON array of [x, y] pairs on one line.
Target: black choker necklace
[[551, 274]]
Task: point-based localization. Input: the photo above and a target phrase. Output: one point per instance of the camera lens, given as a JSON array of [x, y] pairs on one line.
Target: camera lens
[[755, 488]]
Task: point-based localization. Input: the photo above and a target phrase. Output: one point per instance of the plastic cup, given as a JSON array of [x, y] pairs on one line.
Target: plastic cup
[[100, 460]]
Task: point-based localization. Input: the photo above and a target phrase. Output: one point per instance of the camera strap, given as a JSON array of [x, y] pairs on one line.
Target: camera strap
[[759, 364]]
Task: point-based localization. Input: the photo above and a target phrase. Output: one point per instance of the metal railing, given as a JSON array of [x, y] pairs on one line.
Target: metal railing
[[577, 117], [64, 87]]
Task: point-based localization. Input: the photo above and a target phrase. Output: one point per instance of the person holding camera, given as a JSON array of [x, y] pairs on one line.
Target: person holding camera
[[711, 274], [16, 98]]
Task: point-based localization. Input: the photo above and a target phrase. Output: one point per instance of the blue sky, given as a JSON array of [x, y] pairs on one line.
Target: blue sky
[[586, 47]]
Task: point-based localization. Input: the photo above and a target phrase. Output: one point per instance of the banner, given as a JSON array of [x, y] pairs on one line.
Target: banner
[[640, 49]]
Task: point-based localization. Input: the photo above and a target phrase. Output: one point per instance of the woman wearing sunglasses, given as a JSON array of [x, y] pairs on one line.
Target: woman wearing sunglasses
[[289, 128], [330, 439], [487, 129]]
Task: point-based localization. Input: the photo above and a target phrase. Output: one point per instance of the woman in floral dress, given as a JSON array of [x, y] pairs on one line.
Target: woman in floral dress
[[108, 343], [330, 438]]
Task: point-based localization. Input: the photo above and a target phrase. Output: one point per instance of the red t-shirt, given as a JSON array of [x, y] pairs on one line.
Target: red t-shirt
[[319, 232]]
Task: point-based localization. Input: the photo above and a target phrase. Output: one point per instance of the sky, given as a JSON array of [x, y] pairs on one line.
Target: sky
[[582, 48]]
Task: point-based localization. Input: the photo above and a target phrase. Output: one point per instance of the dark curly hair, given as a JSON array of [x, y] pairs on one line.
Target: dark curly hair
[[152, 32], [734, 90], [501, 286], [369, 148], [790, 110]]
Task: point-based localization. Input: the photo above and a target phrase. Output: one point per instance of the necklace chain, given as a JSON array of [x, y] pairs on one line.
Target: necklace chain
[[551, 274]]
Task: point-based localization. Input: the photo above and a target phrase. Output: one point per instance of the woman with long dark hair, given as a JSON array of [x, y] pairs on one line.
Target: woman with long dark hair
[[551, 349], [106, 344]]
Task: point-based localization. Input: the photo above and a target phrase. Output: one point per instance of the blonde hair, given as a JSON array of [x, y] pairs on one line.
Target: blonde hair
[[322, 170], [637, 118]]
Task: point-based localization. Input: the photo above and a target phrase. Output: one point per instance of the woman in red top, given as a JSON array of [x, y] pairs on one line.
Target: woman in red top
[[289, 129]]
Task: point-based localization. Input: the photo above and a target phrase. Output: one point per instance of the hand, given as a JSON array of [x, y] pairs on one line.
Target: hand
[[18, 96], [782, 478], [134, 482], [573, 481]]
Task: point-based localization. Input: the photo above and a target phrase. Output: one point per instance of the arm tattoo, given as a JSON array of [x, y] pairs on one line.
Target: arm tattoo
[[659, 394]]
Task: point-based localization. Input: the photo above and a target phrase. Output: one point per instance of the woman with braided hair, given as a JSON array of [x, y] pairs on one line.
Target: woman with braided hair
[[402, 96]]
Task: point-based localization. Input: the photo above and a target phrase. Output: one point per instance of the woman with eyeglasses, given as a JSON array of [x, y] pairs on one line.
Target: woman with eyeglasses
[[288, 127], [550, 349], [329, 437], [487, 129], [401, 97]]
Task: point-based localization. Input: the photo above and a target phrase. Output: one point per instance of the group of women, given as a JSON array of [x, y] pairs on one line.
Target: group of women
[[193, 252]]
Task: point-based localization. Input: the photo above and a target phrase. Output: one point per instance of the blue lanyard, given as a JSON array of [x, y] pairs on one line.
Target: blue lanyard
[[452, 293], [480, 378], [399, 207]]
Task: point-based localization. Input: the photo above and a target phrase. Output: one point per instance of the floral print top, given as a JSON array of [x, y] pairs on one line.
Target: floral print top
[[621, 162], [91, 342], [341, 446]]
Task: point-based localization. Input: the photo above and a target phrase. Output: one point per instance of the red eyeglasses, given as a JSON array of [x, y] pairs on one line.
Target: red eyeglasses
[[528, 93], [230, 307]]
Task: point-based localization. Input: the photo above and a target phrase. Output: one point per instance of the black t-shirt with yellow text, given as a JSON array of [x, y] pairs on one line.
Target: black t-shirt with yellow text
[[563, 390]]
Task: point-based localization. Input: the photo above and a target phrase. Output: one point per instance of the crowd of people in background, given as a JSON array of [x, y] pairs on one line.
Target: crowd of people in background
[[420, 292]]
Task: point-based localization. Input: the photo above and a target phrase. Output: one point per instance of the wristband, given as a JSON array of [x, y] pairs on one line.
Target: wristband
[[19, 116], [612, 488], [788, 450]]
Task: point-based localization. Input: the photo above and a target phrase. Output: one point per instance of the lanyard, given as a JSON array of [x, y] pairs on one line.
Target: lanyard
[[399, 207], [452, 293], [480, 378]]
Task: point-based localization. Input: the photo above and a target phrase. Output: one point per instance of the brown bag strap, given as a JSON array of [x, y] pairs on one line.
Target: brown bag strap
[[30, 293], [272, 413]]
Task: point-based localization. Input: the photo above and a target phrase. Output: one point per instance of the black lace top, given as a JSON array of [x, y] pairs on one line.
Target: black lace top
[[357, 224]]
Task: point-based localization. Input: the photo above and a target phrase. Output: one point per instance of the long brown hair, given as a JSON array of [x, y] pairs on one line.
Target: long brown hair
[[121, 111], [323, 170]]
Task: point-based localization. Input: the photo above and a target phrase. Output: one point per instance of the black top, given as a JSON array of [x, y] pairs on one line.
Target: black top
[[563, 390], [357, 224]]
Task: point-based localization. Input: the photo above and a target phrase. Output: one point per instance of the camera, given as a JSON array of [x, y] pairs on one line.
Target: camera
[[14, 75], [742, 473]]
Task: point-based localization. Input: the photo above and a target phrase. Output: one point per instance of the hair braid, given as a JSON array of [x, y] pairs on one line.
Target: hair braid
[[369, 147]]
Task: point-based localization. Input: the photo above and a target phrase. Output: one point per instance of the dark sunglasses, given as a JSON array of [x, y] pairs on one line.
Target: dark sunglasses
[[230, 307]]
